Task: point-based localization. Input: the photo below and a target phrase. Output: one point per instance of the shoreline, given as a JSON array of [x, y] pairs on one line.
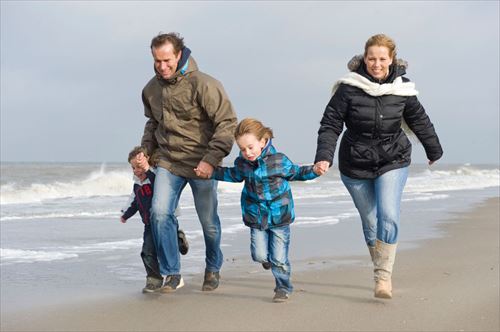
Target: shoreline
[[446, 283]]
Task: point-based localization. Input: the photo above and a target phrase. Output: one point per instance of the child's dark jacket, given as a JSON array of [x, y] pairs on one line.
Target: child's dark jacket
[[141, 198], [266, 199]]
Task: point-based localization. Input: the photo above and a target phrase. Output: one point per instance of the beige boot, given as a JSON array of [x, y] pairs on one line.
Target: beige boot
[[385, 255], [372, 253]]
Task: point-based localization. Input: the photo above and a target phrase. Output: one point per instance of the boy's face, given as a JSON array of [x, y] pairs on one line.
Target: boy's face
[[250, 146], [137, 169]]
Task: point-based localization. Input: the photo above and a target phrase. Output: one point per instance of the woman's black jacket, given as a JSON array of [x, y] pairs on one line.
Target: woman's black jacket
[[374, 142]]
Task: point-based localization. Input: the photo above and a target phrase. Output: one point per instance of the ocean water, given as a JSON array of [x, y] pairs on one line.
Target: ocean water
[[58, 220]]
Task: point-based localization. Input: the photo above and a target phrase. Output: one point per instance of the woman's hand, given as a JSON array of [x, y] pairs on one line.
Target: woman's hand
[[431, 162], [321, 167]]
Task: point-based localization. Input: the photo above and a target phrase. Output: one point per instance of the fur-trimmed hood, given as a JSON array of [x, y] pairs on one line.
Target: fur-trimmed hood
[[357, 61]]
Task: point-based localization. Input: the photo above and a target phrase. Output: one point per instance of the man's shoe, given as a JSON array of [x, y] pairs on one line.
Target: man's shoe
[[183, 242], [280, 296], [172, 283], [211, 281], [152, 285], [267, 265]]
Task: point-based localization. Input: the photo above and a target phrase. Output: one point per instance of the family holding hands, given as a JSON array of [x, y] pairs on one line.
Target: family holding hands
[[191, 127]]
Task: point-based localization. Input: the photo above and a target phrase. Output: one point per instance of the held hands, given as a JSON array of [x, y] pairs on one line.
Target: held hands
[[321, 167], [204, 170], [142, 161]]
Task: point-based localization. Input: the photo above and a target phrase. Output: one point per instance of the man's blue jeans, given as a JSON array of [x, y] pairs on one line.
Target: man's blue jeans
[[378, 202], [167, 191], [271, 245]]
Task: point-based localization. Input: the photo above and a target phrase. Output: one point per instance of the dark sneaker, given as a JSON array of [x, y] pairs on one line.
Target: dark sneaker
[[267, 265], [172, 283], [211, 281], [183, 242], [280, 296], [152, 285]]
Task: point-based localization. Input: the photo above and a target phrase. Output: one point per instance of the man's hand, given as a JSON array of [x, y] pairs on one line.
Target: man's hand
[[204, 170], [142, 161], [123, 220], [321, 167]]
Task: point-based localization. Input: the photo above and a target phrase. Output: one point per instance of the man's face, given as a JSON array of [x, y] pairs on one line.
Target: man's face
[[165, 60]]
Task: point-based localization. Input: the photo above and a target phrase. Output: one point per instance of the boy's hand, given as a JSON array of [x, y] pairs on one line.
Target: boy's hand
[[123, 220], [321, 167]]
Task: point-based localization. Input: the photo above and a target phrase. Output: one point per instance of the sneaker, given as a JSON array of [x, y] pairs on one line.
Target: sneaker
[[152, 285], [280, 296], [211, 281], [183, 242], [172, 283], [267, 265]]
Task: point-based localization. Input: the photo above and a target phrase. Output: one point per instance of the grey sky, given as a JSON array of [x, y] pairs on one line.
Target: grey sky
[[72, 72]]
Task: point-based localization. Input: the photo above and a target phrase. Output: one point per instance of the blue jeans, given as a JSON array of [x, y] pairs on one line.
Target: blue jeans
[[148, 254], [271, 245], [378, 202], [167, 191]]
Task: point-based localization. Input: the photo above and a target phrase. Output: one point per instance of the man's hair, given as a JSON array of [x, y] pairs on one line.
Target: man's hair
[[168, 38], [135, 151]]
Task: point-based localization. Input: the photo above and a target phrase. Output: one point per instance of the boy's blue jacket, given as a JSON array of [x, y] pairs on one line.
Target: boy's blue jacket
[[141, 198], [266, 199]]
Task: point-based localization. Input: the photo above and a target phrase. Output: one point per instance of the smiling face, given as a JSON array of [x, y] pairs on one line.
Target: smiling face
[[250, 146], [378, 60], [166, 60]]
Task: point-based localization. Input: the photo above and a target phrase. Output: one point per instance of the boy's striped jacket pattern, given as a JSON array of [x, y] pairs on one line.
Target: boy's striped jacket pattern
[[266, 199]]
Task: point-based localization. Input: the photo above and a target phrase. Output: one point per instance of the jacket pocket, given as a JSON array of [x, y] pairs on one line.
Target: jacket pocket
[[362, 154]]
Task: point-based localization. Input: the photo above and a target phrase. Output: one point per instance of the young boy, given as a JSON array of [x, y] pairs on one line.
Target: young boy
[[266, 200], [140, 200]]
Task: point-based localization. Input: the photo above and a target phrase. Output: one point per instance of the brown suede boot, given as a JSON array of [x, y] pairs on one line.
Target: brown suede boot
[[384, 257]]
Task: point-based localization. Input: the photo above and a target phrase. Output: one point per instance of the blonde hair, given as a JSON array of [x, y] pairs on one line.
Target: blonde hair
[[254, 127], [135, 151], [382, 40]]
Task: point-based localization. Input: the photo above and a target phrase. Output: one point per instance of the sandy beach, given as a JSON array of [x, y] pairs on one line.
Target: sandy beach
[[446, 284]]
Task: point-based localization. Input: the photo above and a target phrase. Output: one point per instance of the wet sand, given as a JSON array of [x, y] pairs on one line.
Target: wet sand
[[446, 284]]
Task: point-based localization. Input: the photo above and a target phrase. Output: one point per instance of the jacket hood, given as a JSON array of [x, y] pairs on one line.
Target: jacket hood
[[357, 64], [186, 65]]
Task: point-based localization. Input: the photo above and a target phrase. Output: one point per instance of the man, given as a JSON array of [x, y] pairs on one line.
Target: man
[[191, 124]]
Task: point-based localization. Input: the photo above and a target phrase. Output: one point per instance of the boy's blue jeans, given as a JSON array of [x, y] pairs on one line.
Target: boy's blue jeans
[[148, 254], [167, 191], [271, 245], [378, 202]]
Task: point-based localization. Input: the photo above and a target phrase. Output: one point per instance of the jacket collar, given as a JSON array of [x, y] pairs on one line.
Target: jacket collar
[[186, 65]]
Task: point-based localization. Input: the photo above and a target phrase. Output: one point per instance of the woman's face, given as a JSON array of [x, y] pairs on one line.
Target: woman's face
[[377, 61]]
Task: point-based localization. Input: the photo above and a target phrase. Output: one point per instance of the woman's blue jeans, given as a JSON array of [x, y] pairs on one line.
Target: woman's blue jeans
[[271, 245], [167, 191], [378, 202]]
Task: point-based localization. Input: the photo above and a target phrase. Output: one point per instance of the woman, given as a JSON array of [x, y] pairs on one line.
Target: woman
[[374, 101]]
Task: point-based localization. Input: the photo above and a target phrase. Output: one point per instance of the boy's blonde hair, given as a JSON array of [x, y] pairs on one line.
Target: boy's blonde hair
[[254, 127], [135, 151]]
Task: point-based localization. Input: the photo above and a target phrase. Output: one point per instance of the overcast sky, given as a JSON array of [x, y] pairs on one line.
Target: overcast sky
[[72, 72]]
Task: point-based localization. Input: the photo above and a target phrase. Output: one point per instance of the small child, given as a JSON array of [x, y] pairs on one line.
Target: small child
[[266, 200], [140, 200]]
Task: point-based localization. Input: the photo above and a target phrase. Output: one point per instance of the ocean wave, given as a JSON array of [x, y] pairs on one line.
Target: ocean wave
[[97, 183], [10, 256]]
